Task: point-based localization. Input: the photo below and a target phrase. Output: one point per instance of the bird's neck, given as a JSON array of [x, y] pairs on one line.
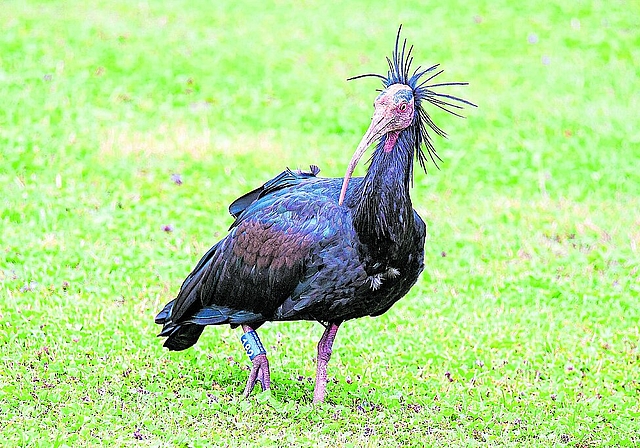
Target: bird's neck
[[381, 205]]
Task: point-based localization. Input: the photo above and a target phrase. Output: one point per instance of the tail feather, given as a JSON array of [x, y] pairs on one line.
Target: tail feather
[[163, 315], [183, 336], [223, 315]]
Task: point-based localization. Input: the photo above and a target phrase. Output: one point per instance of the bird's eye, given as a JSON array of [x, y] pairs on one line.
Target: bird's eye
[[402, 107]]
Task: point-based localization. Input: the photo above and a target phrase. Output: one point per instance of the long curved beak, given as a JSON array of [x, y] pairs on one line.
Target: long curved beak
[[378, 127]]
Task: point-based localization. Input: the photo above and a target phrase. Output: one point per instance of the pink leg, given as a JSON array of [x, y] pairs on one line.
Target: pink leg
[[259, 371], [324, 354]]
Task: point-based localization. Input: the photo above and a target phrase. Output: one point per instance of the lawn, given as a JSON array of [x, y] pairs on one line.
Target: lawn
[[126, 129]]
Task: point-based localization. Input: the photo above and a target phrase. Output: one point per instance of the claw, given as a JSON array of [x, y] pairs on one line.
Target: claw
[[259, 362], [259, 373]]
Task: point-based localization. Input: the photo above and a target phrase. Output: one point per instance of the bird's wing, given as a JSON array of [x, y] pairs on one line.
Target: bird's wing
[[272, 254], [285, 179]]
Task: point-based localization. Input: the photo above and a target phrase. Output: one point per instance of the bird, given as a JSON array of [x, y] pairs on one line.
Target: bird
[[326, 250]]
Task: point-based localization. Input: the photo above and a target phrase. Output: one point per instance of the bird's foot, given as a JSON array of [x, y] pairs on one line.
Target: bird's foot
[[259, 362], [259, 373], [319, 392], [324, 354]]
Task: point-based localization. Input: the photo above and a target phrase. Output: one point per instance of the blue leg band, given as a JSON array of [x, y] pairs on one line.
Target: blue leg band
[[252, 345]]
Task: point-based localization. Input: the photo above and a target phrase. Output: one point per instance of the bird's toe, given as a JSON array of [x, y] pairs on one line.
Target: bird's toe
[[259, 373]]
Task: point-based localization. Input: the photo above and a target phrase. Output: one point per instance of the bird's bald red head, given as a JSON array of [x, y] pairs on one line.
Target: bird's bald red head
[[394, 111]]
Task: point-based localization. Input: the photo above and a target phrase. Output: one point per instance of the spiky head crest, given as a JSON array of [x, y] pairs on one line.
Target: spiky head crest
[[400, 73]]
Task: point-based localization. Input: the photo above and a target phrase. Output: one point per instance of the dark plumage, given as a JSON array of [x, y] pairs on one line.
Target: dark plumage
[[328, 250]]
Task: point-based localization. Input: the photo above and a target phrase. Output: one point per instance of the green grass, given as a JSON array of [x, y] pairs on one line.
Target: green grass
[[523, 330]]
